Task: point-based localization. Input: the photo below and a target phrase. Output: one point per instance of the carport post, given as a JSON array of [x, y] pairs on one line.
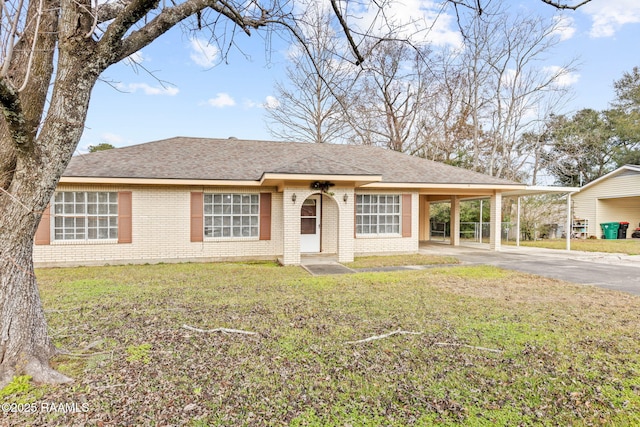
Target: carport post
[[454, 221], [481, 211], [518, 223], [496, 222], [567, 232]]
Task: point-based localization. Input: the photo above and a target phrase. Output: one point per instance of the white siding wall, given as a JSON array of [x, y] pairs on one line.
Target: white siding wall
[[614, 199]]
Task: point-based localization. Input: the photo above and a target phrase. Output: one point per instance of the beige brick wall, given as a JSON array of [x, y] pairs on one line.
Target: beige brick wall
[[161, 230], [160, 233]]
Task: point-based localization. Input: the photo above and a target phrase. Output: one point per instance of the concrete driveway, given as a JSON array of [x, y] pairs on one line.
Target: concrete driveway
[[612, 271]]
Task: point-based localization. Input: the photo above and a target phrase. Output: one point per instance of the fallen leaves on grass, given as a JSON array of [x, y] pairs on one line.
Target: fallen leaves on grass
[[569, 354]]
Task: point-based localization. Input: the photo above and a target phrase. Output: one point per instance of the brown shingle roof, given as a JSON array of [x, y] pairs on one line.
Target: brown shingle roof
[[235, 159]]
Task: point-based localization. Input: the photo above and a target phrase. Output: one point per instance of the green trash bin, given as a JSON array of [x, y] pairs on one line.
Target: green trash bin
[[610, 229]]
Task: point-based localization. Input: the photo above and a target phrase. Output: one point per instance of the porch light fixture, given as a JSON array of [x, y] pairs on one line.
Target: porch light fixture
[[294, 197], [345, 197]]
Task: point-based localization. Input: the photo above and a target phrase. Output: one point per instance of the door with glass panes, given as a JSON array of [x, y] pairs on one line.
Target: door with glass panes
[[310, 225]]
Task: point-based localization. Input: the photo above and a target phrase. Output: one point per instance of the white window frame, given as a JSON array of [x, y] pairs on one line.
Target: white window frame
[[84, 216], [375, 211], [231, 216]]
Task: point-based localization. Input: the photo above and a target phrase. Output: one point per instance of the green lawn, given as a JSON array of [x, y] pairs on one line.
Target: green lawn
[[491, 347], [624, 246]]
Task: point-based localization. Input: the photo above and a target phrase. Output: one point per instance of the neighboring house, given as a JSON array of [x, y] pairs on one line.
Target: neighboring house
[[196, 199], [614, 197]]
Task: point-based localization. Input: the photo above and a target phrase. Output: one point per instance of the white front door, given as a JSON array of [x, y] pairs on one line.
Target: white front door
[[310, 225]]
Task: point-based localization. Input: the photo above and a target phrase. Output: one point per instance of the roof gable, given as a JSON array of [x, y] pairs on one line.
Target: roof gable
[[621, 171]]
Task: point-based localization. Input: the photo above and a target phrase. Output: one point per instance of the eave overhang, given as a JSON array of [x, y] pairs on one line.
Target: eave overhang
[[158, 181], [278, 180], [281, 180]]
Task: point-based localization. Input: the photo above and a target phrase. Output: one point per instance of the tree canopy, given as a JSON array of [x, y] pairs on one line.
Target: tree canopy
[[591, 143]]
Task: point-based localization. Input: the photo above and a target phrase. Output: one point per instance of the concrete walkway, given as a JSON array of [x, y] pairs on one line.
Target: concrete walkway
[[321, 265]]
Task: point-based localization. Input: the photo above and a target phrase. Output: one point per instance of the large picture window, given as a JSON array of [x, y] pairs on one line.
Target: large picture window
[[377, 214], [231, 215], [85, 215]]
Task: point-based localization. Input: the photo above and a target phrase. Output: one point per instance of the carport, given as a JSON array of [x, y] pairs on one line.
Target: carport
[[495, 200], [537, 190]]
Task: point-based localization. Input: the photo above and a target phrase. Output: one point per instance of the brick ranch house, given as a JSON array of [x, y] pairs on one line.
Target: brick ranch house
[[196, 199]]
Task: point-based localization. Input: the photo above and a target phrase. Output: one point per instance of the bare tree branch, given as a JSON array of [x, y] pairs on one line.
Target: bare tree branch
[[387, 335], [223, 330], [347, 33], [560, 5], [171, 16]]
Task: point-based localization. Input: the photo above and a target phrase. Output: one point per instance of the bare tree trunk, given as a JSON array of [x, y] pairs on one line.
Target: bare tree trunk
[[39, 161], [25, 346]]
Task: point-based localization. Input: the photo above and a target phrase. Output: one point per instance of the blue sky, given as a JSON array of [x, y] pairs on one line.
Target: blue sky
[[192, 94]]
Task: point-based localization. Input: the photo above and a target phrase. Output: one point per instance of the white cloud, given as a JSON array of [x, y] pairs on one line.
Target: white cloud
[[443, 28], [221, 100], [268, 102], [609, 16], [203, 53], [147, 89], [564, 78], [565, 26], [271, 102]]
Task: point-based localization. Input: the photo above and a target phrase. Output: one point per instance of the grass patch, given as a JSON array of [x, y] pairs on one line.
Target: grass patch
[[400, 260], [621, 246], [495, 347]]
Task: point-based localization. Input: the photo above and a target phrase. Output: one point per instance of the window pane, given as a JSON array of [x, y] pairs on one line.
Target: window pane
[[232, 214], [307, 226], [75, 215], [378, 214]]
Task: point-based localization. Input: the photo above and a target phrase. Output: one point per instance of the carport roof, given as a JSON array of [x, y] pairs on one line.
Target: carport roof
[[533, 190]]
